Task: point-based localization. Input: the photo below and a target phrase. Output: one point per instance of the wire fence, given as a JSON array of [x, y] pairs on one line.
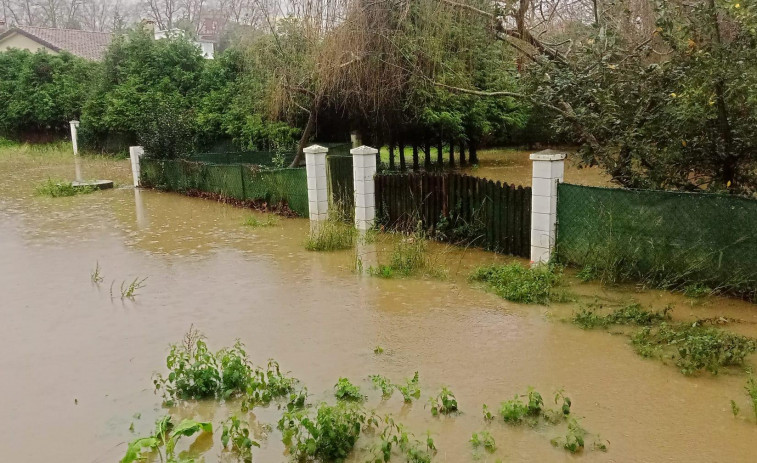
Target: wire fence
[[242, 182], [671, 239]]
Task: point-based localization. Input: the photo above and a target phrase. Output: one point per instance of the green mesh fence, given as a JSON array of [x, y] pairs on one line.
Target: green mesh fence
[[671, 239], [238, 181], [258, 158]]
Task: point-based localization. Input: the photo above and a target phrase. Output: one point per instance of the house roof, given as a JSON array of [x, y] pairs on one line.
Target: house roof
[[86, 44]]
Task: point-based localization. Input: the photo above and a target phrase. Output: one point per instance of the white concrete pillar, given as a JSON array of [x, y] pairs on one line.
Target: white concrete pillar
[[548, 171], [363, 171], [318, 198], [135, 154], [74, 134]]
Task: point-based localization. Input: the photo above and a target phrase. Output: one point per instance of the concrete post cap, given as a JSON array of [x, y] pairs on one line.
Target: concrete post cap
[[74, 123], [315, 149], [548, 155], [363, 150]]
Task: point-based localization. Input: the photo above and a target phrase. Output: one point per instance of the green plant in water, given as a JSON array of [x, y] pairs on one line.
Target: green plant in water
[[330, 435], [734, 408], [194, 372], [574, 440], [96, 276], [129, 291], [394, 437], [751, 390], [514, 282], [411, 389], [483, 439], [331, 235], [166, 436], [345, 390], [269, 221], [59, 189], [697, 290], [444, 403], [410, 256], [633, 314], [488, 415], [236, 438], [383, 383], [378, 350], [693, 347], [267, 384]]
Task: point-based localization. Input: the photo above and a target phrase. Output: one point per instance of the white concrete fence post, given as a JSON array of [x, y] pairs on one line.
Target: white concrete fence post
[[135, 154], [318, 199], [548, 171], [363, 171], [74, 136]]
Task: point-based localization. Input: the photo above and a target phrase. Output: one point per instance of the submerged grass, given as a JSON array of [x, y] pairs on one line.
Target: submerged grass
[[528, 285], [331, 235], [59, 189], [269, 221], [693, 347], [632, 314], [410, 256]]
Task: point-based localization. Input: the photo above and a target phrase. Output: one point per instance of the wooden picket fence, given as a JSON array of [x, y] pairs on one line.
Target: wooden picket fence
[[457, 207]]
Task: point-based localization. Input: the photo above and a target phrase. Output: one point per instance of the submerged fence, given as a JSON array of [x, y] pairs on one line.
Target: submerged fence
[[242, 182], [459, 208], [667, 237]]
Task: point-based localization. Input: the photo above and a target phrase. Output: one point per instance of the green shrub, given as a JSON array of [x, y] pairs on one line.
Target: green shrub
[[633, 314], [165, 438], [751, 390], [411, 389], [693, 347], [236, 437], [59, 189], [514, 282], [383, 383]]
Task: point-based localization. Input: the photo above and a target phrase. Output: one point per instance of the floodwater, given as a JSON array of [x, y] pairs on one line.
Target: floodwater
[[77, 363], [514, 166]]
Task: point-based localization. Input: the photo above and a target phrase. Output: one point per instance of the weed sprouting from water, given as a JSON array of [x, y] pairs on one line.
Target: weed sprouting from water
[[269, 221], [514, 282], [60, 189], [195, 372], [693, 347], [697, 290], [411, 389], [751, 390], [383, 383], [574, 440], [331, 235], [165, 437], [329, 436], [378, 350], [96, 276], [345, 390], [236, 438], [394, 436], [735, 408], [444, 403], [410, 256], [633, 314], [129, 291], [483, 439]]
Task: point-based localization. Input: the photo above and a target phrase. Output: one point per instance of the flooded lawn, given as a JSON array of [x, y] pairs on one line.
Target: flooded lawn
[[78, 360], [514, 166]]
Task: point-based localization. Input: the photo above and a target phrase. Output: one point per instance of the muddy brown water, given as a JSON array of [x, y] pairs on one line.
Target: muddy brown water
[[76, 363]]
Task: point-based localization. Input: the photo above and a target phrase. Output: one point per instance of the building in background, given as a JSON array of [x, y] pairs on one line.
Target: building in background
[[85, 44]]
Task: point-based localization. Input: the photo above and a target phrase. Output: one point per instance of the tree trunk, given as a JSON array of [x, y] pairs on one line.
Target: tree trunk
[[309, 127]]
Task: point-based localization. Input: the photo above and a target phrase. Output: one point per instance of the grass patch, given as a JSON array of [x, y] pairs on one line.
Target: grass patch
[[410, 256], [634, 314], [269, 221], [528, 285], [693, 347], [331, 235], [60, 189]]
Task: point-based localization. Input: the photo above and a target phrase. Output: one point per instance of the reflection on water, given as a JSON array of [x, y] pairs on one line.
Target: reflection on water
[[77, 362]]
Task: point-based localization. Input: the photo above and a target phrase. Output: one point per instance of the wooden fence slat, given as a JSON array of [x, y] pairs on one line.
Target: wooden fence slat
[[526, 227], [517, 213], [509, 218], [403, 164], [415, 157]]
